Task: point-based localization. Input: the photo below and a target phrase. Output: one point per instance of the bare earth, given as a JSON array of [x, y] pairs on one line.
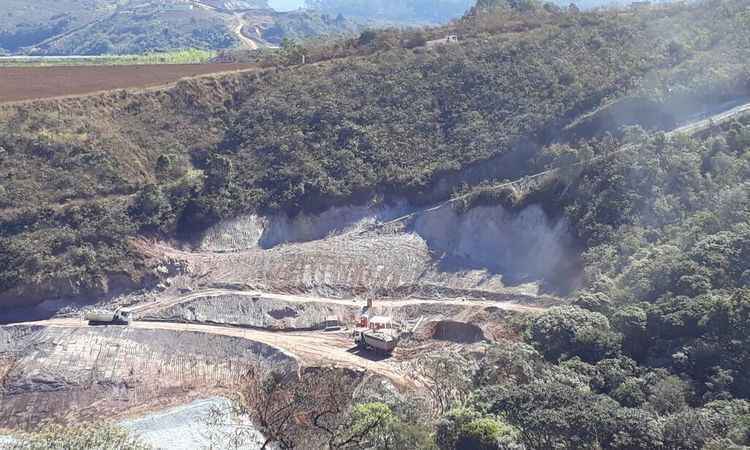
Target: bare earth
[[29, 83], [309, 348]]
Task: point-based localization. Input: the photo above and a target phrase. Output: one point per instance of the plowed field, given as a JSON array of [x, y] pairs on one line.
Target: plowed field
[[28, 83]]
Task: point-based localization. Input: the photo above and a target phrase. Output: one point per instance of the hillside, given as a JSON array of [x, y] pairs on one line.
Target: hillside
[[23, 24], [410, 11], [77, 27], [393, 123], [554, 205]]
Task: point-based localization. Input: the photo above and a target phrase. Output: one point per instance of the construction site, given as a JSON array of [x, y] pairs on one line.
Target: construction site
[[173, 318], [356, 288], [369, 288]]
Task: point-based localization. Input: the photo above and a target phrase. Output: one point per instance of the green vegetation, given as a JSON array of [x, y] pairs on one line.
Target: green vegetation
[[385, 117], [136, 30], [24, 24], [133, 27], [188, 56], [652, 353], [301, 25]]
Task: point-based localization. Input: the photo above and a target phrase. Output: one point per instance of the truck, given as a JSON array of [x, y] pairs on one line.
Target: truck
[[381, 341], [378, 334], [102, 317]]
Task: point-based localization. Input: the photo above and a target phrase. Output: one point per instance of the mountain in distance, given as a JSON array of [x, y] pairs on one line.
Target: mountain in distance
[[88, 27]]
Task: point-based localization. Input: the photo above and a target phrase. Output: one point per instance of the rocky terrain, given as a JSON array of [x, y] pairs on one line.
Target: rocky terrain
[[186, 427], [83, 373], [486, 252]]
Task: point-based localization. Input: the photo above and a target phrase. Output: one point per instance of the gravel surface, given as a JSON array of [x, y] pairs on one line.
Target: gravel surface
[[185, 427]]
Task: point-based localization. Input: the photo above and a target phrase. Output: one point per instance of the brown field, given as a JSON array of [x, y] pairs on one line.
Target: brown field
[[28, 83]]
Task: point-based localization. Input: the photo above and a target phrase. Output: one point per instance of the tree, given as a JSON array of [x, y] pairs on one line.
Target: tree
[[293, 52], [564, 332], [314, 410], [369, 426], [669, 395], [632, 322], [152, 210], [273, 402], [447, 380], [486, 434]]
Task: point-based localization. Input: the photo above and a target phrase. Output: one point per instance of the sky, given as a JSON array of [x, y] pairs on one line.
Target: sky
[[286, 5]]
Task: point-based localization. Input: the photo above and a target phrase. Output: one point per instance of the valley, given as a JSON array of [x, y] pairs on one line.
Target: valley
[[519, 230]]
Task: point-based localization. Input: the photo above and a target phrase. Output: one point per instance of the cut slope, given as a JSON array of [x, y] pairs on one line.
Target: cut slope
[[85, 373]]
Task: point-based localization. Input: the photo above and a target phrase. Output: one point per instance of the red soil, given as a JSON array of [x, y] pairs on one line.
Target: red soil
[[28, 83]]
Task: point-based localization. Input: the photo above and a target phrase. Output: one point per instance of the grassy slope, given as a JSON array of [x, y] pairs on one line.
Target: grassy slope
[[191, 56], [304, 137], [25, 23], [113, 27]]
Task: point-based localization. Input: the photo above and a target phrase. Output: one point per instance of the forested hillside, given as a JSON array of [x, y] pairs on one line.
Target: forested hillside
[[85, 27], [653, 352], [392, 122], [652, 349], [415, 11]]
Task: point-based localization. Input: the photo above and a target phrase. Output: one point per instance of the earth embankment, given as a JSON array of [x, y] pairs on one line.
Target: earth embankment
[[85, 373]]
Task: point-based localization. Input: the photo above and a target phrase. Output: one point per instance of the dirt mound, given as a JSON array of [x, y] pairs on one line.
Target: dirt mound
[[450, 330], [250, 311]]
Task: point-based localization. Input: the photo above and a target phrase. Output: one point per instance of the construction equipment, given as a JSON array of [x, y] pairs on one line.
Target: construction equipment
[[102, 317], [331, 323], [378, 334]]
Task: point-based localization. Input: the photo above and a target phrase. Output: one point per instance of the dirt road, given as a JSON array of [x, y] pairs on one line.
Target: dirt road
[[140, 309], [310, 348], [237, 25]]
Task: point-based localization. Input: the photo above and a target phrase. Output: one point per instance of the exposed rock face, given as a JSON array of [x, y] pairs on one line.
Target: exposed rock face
[[340, 253], [85, 373], [184, 427], [253, 231], [276, 314], [258, 312], [44, 300], [523, 244]]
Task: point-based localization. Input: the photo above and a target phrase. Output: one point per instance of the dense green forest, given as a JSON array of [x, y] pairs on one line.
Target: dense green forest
[[653, 351]]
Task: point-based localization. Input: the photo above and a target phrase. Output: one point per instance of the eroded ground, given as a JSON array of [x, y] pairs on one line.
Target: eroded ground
[[257, 291]]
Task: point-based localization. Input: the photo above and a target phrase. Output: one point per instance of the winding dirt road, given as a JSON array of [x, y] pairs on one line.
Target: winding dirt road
[[237, 27]]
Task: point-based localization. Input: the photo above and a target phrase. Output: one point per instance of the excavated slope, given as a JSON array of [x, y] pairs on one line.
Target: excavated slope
[[487, 252], [94, 373]]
